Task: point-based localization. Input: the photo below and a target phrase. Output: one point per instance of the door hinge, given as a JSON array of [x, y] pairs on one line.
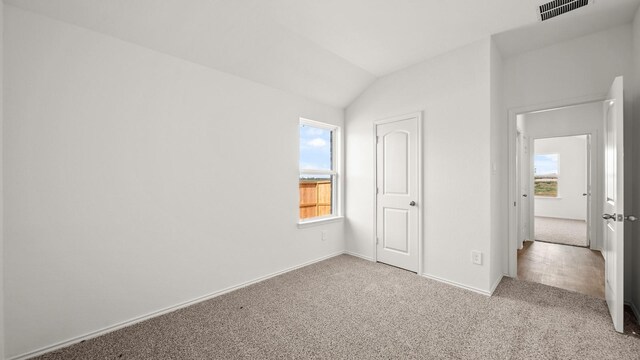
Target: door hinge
[[377, 241], [377, 190], [377, 139]]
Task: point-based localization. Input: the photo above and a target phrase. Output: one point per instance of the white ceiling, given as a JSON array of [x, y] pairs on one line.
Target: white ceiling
[[325, 50], [607, 14]]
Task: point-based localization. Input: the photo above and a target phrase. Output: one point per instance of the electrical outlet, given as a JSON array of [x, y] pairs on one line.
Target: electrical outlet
[[476, 257], [324, 235]]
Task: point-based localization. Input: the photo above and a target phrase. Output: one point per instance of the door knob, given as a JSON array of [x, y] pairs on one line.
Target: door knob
[[524, 195], [609, 217], [584, 194], [413, 203], [631, 218]]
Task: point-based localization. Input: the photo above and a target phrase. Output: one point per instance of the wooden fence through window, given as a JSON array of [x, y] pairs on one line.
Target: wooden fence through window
[[315, 198]]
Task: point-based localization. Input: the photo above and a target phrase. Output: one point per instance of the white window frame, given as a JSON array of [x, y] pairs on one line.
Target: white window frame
[[336, 186], [557, 180]]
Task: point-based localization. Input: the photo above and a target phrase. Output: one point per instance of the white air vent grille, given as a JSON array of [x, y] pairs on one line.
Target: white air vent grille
[[559, 7]]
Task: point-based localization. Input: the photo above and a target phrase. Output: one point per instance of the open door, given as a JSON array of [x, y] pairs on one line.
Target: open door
[[523, 172], [526, 185], [614, 203]]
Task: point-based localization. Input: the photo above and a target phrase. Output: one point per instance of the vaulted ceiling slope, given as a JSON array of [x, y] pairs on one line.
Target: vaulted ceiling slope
[[328, 50]]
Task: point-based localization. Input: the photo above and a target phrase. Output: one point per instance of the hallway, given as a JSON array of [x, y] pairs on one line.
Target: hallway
[[567, 267]]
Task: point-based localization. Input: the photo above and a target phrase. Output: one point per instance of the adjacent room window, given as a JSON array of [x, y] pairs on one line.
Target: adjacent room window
[[546, 175], [318, 170]]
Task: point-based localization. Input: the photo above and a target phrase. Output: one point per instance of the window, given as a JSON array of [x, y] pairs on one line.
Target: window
[[318, 170], [546, 175]]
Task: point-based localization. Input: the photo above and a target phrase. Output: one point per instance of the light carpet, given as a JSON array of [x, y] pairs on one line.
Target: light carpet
[[348, 308], [561, 231]]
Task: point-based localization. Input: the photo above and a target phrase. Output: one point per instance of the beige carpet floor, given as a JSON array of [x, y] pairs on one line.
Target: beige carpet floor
[[561, 231], [348, 308]]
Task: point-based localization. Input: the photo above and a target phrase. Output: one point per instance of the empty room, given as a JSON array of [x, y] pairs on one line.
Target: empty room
[[560, 176], [262, 179]]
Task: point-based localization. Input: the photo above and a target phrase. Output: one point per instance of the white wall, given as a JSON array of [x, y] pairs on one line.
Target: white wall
[[634, 289], [453, 91], [568, 70], [499, 172], [2, 349], [572, 179], [137, 181]]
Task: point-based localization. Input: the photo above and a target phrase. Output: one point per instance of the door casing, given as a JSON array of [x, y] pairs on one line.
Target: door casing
[[514, 186], [590, 181]]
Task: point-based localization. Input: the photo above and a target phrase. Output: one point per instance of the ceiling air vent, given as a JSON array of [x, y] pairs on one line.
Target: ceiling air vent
[[559, 7]]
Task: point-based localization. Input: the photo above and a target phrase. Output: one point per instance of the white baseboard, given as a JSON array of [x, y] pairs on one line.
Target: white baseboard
[[359, 255], [448, 282], [167, 310], [456, 284]]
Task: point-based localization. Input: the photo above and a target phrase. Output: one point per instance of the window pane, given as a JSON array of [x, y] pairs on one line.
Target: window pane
[[546, 175], [316, 195], [315, 148]]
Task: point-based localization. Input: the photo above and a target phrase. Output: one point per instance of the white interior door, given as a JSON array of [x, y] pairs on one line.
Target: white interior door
[[525, 193], [587, 193], [397, 194], [614, 203], [519, 219]]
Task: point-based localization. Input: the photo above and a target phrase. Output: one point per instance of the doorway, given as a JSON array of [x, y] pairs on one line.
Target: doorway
[[398, 191], [561, 190], [603, 118], [558, 177]]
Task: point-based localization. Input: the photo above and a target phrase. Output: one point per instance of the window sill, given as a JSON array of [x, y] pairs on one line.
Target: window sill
[[319, 221]]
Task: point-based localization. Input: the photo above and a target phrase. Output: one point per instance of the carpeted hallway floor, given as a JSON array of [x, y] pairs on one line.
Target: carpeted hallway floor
[[561, 231], [346, 307]]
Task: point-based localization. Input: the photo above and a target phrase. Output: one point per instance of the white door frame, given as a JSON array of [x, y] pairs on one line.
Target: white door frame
[[514, 187], [420, 206], [518, 180], [591, 180]]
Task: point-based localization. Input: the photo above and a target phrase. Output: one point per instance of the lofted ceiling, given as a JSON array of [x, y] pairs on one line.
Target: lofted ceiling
[[609, 13], [325, 50]]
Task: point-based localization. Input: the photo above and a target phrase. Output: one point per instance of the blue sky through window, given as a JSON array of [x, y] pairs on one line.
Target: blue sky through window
[[315, 148], [546, 164]]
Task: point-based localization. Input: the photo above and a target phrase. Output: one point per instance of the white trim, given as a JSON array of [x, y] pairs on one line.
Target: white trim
[[533, 173], [318, 172], [458, 285], [592, 180], [368, 258], [514, 190], [166, 310], [418, 116], [316, 221], [318, 124], [532, 188], [337, 169]]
